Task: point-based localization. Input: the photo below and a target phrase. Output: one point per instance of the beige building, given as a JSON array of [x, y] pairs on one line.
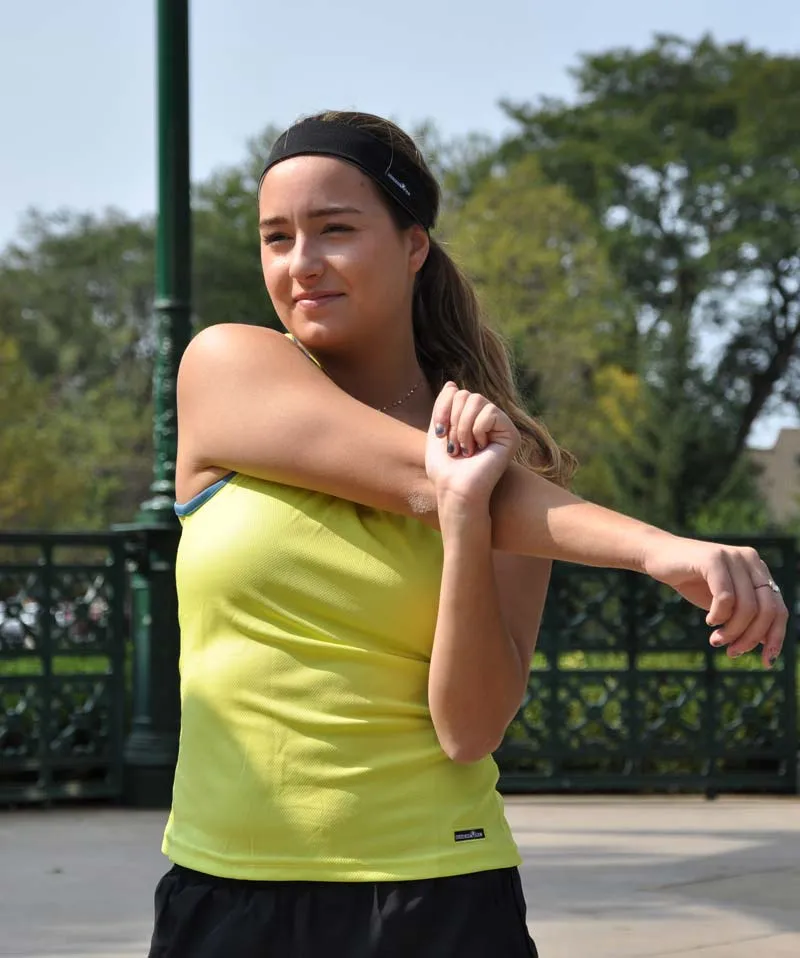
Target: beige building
[[780, 474]]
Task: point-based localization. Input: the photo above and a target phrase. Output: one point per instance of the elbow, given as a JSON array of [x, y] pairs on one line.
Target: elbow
[[466, 738], [467, 751], [421, 502]]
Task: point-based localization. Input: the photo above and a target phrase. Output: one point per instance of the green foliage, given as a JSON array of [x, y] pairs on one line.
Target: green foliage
[[76, 292], [30, 449], [534, 256], [228, 286], [460, 163], [76, 304], [688, 155], [76, 310]]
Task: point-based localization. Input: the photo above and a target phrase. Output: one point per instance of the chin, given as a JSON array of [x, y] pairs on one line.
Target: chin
[[322, 334]]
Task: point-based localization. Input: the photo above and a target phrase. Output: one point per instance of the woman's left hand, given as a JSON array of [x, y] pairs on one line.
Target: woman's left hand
[[735, 587], [470, 445]]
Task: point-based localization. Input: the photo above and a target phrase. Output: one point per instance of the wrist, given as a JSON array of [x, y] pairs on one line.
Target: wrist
[[654, 542], [458, 513]]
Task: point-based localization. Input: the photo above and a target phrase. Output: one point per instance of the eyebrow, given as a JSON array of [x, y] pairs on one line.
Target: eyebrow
[[312, 214]]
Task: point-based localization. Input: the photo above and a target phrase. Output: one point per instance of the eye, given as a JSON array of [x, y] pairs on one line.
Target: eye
[[337, 228], [270, 239]]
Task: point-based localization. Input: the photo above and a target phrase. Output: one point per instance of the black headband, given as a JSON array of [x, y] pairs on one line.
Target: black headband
[[392, 172]]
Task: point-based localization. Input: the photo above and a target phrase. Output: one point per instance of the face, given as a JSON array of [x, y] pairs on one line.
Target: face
[[337, 268]]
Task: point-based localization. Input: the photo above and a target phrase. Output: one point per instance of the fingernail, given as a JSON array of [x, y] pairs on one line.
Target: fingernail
[[464, 451], [439, 429], [735, 655], [773, 658], [450, 448]]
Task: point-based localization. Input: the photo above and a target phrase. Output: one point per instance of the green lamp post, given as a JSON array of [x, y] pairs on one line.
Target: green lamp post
[[151, 748]]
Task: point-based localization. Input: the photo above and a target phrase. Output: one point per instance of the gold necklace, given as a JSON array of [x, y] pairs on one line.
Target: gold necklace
[[397, 402], [408, 395]]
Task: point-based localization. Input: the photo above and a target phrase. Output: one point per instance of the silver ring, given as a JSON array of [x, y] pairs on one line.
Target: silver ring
[[769, 585]]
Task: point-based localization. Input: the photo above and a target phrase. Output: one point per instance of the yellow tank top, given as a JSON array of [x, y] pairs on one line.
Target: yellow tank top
[[307, 750]]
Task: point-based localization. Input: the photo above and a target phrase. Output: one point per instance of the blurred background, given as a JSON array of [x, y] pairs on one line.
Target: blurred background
[[622, 182]]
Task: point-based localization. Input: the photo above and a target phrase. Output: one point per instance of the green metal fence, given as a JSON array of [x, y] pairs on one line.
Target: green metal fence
[[62, 666], [625, 693]]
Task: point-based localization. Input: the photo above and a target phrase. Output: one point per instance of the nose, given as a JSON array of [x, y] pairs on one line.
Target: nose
[[305, 261]]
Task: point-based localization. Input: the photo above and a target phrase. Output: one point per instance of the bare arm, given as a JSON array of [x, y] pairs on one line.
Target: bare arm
[[249, 401], [490, 608]]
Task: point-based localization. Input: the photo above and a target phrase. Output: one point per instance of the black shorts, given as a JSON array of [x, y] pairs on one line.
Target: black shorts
[[481, 915]]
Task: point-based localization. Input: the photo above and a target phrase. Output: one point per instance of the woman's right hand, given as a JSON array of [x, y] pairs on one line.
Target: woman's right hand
[[470, 445]]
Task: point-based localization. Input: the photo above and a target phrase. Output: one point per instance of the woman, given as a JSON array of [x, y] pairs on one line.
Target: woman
[[368, 523]]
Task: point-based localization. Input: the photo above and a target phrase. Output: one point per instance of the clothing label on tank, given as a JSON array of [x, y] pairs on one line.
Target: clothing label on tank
[[469, 835]]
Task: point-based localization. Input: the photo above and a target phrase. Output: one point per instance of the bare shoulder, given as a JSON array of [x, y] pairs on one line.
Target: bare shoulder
[[250, 401], [232, 366], [232, 380], [224, 345]]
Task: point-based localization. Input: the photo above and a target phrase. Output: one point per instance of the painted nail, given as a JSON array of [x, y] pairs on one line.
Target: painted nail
[[450, 448], [464, 451], [773, 658], [439, 429]]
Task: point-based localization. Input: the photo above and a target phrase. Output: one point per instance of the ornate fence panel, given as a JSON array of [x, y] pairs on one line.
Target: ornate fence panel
[[62, 666], [627, 694]]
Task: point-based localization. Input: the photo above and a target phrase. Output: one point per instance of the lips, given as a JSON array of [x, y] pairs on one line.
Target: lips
[[315, 299]]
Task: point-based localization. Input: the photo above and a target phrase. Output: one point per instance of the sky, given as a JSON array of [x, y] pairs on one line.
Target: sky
[[78, 77]]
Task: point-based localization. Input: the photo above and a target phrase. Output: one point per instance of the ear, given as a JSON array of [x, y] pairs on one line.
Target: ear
[[419, 247]]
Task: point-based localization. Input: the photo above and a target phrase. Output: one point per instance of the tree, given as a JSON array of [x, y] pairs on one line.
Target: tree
[[76, 306], [76, 291], [534, 256], [44, 483], [76, 297], [228, 286], [688, 155], [459, 163]]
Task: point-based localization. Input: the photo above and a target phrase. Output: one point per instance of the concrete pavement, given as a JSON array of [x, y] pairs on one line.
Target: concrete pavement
[[604, 877], [652, 878]]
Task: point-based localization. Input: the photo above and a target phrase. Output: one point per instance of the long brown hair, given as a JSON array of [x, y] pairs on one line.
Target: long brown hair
[[453, 341]]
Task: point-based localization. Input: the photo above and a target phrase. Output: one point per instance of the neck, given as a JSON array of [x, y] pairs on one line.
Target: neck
[[381, 374]]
